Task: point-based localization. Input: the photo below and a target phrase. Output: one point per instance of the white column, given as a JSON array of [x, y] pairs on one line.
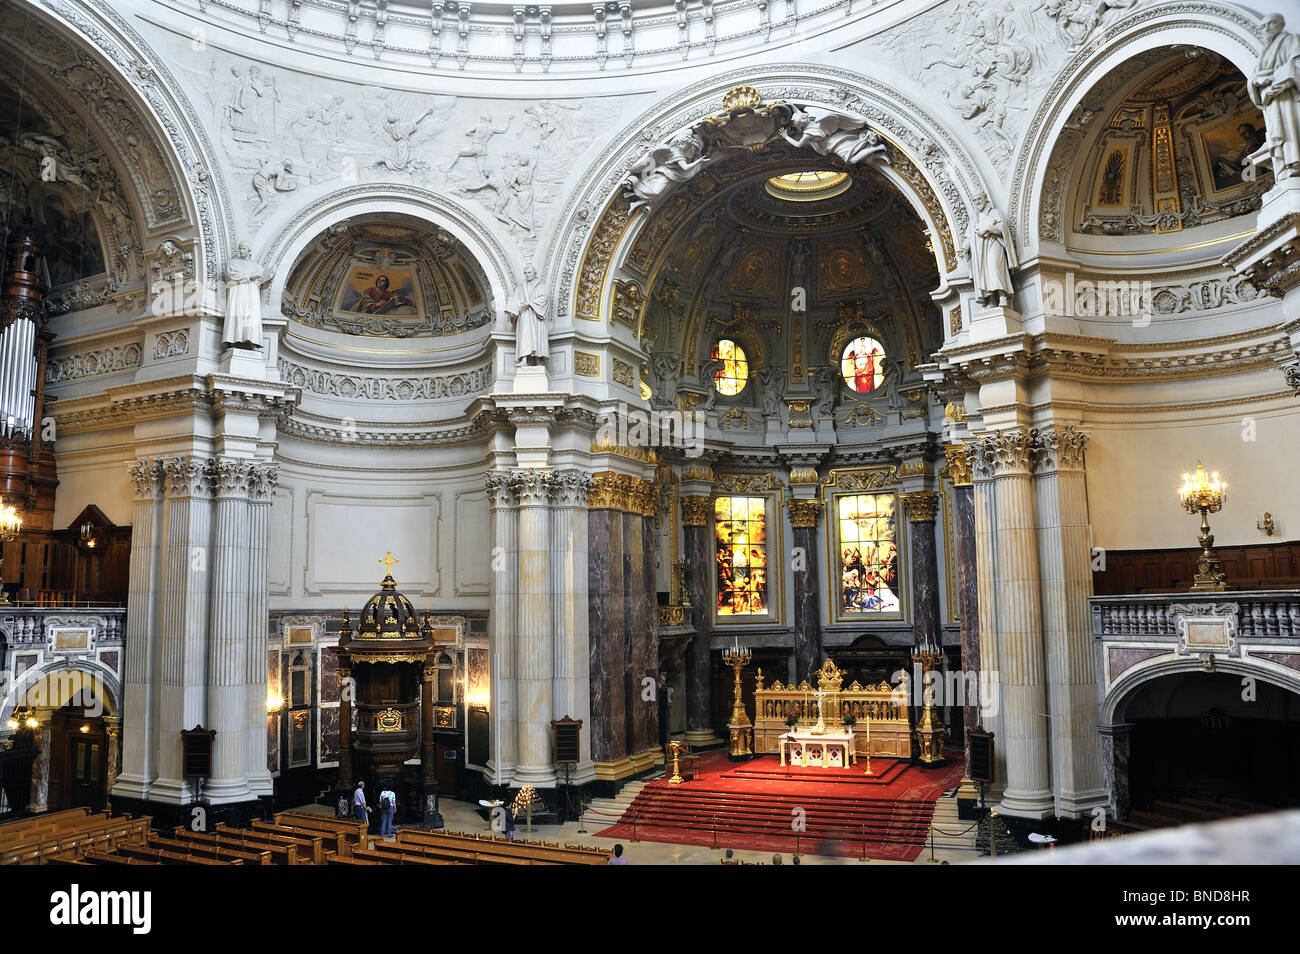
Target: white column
[[259, 522], [501, 627], [183, 628], [1064, 551], [1028, 790], [139, 667], [571, 685], [535, 640], [227, 710]]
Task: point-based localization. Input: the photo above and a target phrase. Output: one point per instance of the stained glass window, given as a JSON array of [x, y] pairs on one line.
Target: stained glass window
[[730, 379], [740, 536], [868, 565], [861, 364]]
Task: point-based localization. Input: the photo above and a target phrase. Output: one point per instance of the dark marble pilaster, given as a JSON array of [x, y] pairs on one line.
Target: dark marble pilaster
[[921, 508], [633, 638], [1116, 742], [699, 569], [968, 605], [807, 609], [606, 625], [647, 726]]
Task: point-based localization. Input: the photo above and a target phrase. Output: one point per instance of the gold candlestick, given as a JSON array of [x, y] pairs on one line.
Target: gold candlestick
[[930, 730], [675, 747], [1206, 494], [738, 658]]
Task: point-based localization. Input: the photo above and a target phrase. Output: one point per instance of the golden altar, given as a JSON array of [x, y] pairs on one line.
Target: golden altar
[[880, 711]]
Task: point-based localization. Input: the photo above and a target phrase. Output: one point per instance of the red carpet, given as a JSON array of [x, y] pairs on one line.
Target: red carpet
[[761, 805]]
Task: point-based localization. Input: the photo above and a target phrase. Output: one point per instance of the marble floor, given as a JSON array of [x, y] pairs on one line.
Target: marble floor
[[463, 816]]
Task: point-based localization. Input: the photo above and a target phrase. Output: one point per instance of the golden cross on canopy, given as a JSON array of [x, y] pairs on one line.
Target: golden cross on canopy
[[389, 560]]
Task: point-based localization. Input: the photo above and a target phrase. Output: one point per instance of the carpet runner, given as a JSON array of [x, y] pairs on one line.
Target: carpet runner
[[763, 806]]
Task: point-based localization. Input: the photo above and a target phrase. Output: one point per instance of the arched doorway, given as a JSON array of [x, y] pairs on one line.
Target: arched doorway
[[1210, 735], [78, 759]]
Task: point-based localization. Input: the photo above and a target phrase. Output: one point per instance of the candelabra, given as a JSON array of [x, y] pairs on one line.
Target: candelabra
[[1206, 494], [738, 657], [675, 747], [11, 524], [930, 730]]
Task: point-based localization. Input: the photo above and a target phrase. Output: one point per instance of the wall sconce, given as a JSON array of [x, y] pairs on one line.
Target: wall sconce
[[88, 540], [84, 728], [1266, 525], [274, 701], [23, 717]]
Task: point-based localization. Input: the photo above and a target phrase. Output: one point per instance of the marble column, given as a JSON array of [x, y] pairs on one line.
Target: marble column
[[1116, 747], [40, 794], [228, 637], [808, 649], [570, 581], [699, 582], [1064, 546], [963, 519], [647, 726], [501, 626], [182, 671], [140, 665], [633, 643], [1028, 792], [262, 486], [111, 748], [606, 621], [345, 727], [921, 507], [535, 641]]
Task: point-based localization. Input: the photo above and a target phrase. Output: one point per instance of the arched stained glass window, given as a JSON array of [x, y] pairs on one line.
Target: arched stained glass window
[[862, 364], [731, 378]]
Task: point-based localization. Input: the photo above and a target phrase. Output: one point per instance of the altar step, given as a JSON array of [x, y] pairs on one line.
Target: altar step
[[608, 811], [950, 831]]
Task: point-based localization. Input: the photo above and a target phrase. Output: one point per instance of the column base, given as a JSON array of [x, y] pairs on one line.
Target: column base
[[703, 738], [1035, 805], [613, 771], [1082, 804], [968, 790], [538, 776], [131, 786]]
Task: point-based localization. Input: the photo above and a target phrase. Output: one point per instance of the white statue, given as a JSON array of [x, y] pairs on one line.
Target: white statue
[[244, 278], [992, 256], [662, 168], [1275, 88], [830, 133], [529, 314]]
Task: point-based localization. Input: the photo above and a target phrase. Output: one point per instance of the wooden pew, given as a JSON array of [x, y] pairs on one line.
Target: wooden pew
[[356, 832], [502, 847], [195, 843], [395, 857], [331, 842], [300, 849], [166, 857], [333, 859]]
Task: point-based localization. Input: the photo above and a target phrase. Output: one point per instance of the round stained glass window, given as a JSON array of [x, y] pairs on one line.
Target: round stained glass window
[[861, 364], [730, 379]]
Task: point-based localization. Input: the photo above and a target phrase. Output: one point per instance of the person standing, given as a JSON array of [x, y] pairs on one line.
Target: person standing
[[359, 811], [387, 805]]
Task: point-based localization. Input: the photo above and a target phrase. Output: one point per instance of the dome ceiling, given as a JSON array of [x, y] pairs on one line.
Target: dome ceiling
[[1169, 156], [387, 277]]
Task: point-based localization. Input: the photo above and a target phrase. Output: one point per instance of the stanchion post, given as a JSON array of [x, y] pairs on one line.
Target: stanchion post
[[864, 857]]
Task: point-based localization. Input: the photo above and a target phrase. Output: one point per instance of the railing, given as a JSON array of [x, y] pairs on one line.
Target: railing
[[29, 625], [1259, 613]]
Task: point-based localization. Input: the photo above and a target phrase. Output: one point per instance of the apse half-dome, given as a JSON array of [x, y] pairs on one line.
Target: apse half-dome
[[392, 276]]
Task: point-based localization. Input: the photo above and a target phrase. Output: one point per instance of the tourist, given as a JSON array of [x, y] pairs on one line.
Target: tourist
[[617, 858], [359, 811], [510, 822], [387, 805]]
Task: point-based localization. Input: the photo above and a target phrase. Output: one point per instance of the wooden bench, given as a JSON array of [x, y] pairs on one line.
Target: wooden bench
[[330, 842], [297, 849], [91, 831], [355, 832], [504, 848], [385, 857], [200, 848], [333, 859], [166, 857]]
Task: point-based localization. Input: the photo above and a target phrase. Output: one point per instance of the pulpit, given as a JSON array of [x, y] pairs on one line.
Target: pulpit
[[386, 669]]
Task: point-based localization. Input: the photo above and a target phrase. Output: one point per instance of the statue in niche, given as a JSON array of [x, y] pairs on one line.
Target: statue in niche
[[991, 256], [826, 384], [529, 314], [662, 168], [667, 370], [828, 133], [708, 375], [1275, 88], [889, 384], [244, 279], [771, 382]]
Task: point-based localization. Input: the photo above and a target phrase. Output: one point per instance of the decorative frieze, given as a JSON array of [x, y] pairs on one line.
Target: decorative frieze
[[623, 374], [171, 344], [586, 365], [366, 388], [91, 363]]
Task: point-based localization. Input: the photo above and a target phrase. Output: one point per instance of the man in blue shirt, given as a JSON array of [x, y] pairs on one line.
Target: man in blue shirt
[[359, 802]]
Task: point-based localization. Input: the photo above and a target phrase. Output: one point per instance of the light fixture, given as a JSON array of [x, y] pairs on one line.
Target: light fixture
[[11, 524], [808, 186], [84, 728], [1206, 494], [274, 701], [88, 535], [23, 717]]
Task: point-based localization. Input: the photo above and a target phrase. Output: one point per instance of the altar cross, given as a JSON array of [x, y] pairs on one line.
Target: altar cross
[[388, 561]]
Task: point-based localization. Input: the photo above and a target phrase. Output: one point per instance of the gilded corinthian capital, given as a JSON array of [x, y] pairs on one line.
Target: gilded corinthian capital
[[695, 511], [804, 513], [921, 505]]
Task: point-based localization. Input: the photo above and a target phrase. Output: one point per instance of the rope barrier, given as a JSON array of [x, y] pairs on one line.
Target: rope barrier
[[953, 834]]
